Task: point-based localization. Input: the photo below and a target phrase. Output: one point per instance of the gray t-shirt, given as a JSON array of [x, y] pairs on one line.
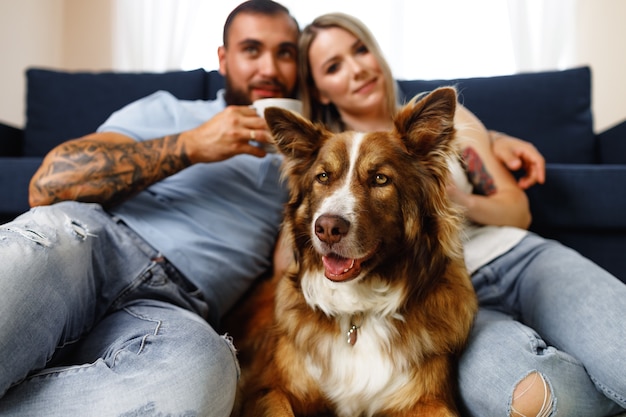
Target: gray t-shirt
[[216, 222]]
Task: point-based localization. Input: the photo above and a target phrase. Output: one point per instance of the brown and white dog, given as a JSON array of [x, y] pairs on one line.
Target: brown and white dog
[[371, 316]]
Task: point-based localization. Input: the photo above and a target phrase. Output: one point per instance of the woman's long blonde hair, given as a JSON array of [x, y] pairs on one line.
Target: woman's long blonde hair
[[312, 107]]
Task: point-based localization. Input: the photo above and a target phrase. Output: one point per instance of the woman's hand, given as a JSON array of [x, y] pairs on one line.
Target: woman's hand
[[518, 154]]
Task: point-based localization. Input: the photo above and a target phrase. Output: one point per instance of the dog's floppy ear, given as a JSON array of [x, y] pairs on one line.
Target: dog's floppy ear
[[426, 123], [295, 137]]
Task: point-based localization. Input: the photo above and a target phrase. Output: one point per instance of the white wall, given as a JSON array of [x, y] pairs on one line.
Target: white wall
[[68, 34], [76, 35], [30, 34], [602, 45]]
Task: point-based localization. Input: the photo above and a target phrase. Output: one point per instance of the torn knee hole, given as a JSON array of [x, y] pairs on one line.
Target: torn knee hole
[[532, 397]]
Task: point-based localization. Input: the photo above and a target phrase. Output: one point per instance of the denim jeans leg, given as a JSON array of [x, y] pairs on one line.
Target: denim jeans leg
[[546, 308], [148, 359], [579, 308], [502, 351], [99, 324], [49, 286]]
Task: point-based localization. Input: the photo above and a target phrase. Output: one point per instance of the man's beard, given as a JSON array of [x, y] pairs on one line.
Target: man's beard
[[238, 97], [234, 96]]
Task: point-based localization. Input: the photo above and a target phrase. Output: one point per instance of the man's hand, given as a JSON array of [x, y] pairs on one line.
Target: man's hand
[[227, 134], [518, 154]]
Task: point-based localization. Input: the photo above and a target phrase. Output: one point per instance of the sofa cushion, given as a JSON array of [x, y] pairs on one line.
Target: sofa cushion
[[551, 109], [66, 105], [580, 197]]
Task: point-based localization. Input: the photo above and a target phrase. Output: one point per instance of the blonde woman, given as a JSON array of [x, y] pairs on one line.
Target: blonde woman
[[549, 337]]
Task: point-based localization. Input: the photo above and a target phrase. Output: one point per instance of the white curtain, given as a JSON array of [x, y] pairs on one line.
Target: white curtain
[[150, 35], [421, 38], [543, 33]]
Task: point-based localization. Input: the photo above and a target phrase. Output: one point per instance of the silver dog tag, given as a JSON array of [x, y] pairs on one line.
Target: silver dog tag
[[352, 334]]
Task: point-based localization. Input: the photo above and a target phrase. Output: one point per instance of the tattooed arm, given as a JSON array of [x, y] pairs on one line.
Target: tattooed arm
[[108, 168], [105, 168], [500, 200]]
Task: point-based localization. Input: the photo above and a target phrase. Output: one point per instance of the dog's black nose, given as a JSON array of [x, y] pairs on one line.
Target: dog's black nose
[[330, 229]]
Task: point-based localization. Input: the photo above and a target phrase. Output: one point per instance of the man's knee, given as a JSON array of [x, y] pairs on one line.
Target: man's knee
[[532, 397], [208, 355], [206, 375]]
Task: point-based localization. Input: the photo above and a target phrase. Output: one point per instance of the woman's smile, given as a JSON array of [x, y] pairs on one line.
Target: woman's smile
[[367, 87]]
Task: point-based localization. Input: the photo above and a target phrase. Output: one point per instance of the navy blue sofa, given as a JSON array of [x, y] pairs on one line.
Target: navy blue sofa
[[582, 204]]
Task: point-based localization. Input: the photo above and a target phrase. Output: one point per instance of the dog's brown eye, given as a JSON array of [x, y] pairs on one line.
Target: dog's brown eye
[[381, 179], [323, 177]]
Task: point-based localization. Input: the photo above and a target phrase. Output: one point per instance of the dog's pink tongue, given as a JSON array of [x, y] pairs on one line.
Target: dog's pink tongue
[[337, 268]]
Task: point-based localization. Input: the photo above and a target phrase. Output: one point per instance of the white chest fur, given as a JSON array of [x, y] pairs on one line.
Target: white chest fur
[[360, 377]]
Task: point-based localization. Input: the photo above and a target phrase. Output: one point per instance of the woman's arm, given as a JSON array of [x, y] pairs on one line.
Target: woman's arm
[[503, 202]]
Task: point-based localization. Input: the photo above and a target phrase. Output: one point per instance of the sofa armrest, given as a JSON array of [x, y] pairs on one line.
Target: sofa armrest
[[15, 174], [612, 144], [580, 197], [11, 139]]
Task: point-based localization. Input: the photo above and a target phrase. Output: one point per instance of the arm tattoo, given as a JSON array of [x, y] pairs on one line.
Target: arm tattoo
[[107, 173], [477, 174]]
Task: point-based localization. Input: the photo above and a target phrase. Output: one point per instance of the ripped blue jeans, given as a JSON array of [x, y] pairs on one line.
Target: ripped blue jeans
[[546, 309], [93, 322]]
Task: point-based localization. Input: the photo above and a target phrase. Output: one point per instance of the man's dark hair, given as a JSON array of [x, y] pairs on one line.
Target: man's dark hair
[[265, 7]]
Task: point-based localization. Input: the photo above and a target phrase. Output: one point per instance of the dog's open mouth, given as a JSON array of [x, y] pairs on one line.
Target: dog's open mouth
[[339, 269]]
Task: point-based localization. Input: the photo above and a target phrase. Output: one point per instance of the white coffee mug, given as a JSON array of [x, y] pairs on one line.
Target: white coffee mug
[[285, 103]]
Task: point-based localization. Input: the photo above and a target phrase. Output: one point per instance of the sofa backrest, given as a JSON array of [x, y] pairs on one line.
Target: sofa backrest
[[63, 105], [214, 83], [551, 109]]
